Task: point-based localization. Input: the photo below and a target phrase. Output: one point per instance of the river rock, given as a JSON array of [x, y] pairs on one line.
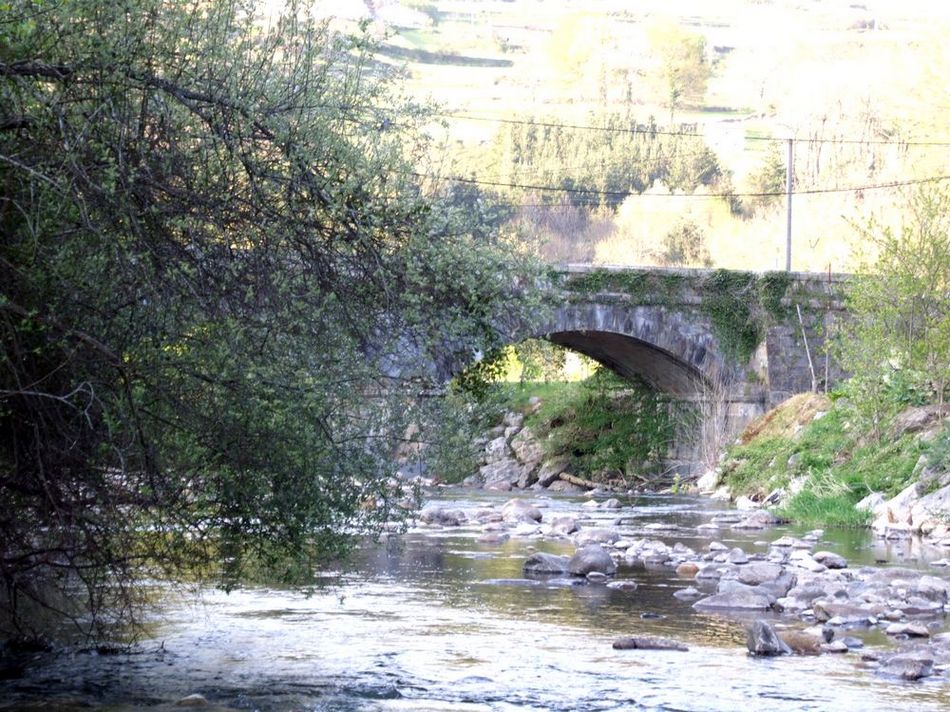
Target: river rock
[[507, 470], [908, 666], [744, 504], [442, 517], [687, 568], [596, 535], [835, 646], [734, 600], [563, 525], [526, 448], [914, 630], [625, 585], [194, 700], [731, 585], [551, 470], [803, 560], [756, 572], [493, 537], [874, 503], [830, 559], [542, 563], [932, 588], [644, 642], [759, 519], [495, 450], [565, 487], [761, 639], [612, 503], [708, 482], [737, 556], [688, 594], [591, 558], [513, 419], [520, 510], [846, 613]]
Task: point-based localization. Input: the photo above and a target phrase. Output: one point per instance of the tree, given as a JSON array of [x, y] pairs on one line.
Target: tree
[[769, 180], [681, 67], [684, 246], [896, 342], [220, 285]]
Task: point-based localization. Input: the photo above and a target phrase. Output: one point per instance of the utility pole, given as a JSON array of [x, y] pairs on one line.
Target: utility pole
[[789, 171]]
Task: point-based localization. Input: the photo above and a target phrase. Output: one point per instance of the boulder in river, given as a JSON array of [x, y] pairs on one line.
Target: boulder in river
[[442, 517], [520, 510], [761, 639], [591, 558], [551, 471], [757, 572], [908, 666], [648, 642], [734, 600], [596, 535], [542, 563], [757, 519], [563, 525], [688, 594], [830, 559]]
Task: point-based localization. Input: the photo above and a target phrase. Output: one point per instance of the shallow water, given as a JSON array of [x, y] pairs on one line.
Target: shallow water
[[434, 620]]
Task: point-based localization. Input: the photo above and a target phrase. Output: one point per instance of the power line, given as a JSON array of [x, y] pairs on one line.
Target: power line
[[625, 194], [652, 131]]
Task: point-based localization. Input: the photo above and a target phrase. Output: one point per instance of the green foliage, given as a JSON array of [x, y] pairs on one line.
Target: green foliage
[[540, 360], [450, 428], [770, 178], [685, 246], [610, 428], [598, 167], [838, 465], [759, 467], [209, 273], [773, 288], [478, 379], [938, 451], [896, 341], [812, 509], [729, 298]]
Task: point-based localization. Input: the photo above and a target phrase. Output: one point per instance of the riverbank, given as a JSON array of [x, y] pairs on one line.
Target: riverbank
[[805, 461], [810, 462]]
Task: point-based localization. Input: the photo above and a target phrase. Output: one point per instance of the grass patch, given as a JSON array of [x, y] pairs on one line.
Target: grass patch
[[814, 509], [759, 467], [609, 428], [839, 466], [886, 467]]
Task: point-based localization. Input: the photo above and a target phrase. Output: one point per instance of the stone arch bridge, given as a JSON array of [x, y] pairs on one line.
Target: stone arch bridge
[[745, 340]]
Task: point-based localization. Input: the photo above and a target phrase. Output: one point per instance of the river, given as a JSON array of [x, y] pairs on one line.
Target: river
[[435, 620]]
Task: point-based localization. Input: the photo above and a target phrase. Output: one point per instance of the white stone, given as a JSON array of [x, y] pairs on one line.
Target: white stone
[[708, 483]]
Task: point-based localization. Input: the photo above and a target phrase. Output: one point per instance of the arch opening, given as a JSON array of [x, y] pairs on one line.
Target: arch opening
[[633, 358]]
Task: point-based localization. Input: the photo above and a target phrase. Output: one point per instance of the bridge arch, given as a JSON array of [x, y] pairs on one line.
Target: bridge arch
[[671, 351]]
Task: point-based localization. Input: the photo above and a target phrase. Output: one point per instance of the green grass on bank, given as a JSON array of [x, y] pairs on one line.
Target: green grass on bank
[[835, 464], [610, 429]]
